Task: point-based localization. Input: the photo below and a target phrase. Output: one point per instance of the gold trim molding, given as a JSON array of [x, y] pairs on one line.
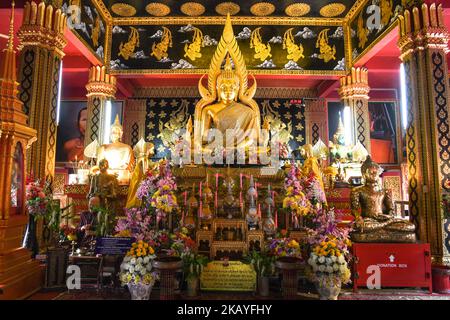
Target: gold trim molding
[[101, 83], [192, 92]]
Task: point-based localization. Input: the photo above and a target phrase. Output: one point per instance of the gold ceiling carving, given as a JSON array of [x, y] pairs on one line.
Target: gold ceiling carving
[[262, 9], [227, 7], [123, 9], [157, 9], [192, 9], [332, 10], [297, 9]]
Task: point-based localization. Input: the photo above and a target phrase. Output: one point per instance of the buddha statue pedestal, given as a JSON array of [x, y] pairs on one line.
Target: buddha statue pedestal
[[373, 208]]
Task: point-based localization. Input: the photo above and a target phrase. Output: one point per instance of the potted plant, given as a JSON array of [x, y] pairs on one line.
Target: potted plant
[[264, 266], [136, 270], [184, 247], [193, 264], [329, 253]]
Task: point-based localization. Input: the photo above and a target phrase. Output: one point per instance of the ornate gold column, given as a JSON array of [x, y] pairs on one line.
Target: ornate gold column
[[19, 274], [354, 92], [101, 87], [41, 43], [423, 43]]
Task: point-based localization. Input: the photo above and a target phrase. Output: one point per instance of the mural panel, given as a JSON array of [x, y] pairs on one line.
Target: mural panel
[[143, 48], [370, 22], [165, 115], [87, 24]]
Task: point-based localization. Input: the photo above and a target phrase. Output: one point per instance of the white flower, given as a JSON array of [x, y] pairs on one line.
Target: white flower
[[321, 259], [315, 267], [133, 261], [314, 256], [149, 267], [342, 268], [334, 258], [335, 267], [341, 259], [131, 269], [143, 271], [329, 261], [139, 260], [146, 260], [322, 268], [329, 269], [127, 259]]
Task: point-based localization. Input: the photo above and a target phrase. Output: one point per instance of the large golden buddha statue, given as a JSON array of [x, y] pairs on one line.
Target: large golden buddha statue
[[119, 155], [373, 209], [227, 103]]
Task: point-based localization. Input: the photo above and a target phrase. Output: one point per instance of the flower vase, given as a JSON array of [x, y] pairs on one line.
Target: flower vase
[[193, 284], [263, 286], [327, 288], [140, 291], [30, 239]]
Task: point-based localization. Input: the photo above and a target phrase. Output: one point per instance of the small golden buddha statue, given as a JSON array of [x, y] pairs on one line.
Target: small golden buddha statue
[[104, 186], [373, 208], [119, 155], [311, 164], [144, 152], [227, 103]]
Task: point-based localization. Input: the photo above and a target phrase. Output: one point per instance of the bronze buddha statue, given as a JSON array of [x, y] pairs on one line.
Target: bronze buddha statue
[[104, 186], [372, 207]]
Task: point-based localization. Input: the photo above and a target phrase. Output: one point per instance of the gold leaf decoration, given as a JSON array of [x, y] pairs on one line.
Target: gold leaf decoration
[[297, 9], [157, 9], [123, 9], [193, 9], [332, 10], [227, 7], [262, 9]]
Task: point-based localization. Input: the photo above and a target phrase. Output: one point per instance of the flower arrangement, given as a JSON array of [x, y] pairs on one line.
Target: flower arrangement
[[137, 265], [329, 250], [36, 200], [262, 261], [164, 199], [137, 224], [295, 200], [182, 244], [285, 247], [314, 191], [148, 185], [446, 206], [68, 232]]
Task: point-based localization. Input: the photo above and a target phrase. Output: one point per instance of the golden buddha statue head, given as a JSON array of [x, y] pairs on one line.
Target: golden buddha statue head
[[370, 170], [228, 83], [116, 130]]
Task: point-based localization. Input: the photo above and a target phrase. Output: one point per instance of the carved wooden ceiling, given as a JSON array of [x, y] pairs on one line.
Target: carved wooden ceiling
[[258, 8]]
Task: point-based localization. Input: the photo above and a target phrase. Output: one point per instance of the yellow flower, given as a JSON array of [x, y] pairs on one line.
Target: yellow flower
[[151, 250]]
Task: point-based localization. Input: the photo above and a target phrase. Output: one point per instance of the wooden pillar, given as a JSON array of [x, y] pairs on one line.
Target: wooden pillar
[[354, 92], [20, 276], [424, 44], [101, 87], [41, 43]]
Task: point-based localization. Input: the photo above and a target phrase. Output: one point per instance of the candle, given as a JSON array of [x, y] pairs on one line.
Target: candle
[[276, 219], [240, 177], [259, 210], [185, 199], [200, 189], [217, 181]]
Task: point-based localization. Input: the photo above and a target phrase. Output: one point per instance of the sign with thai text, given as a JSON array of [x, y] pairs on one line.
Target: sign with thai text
[[228, 276], [113, 245]]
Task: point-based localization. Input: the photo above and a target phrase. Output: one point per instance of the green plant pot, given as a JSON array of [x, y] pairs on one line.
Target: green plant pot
[[193, 284]]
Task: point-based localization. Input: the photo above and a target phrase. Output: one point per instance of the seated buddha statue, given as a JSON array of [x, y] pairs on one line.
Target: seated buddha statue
[[227, 102], [339, 152], [119, 155], [373, 208]]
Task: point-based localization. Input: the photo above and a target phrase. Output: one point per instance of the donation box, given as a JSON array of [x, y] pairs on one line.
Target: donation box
[[391, 265]]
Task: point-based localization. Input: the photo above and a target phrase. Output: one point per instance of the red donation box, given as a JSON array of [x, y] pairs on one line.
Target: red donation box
[[397, 265]]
